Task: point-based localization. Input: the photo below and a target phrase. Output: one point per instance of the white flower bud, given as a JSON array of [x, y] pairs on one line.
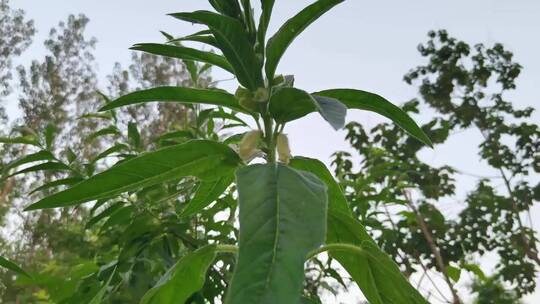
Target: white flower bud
[[248, 145], [283, 149]]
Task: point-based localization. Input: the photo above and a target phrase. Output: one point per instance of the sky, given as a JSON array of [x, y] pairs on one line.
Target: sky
[[366, 45]]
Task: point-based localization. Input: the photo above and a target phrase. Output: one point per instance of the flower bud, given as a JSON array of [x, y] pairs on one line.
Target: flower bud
[[248, 146], [283, 149], [245, 98], [261, 95]]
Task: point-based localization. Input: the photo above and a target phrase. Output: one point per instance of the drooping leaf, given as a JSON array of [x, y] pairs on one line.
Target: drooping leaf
[[282, 218], [61, 182], [38, 156], [177, 94], [278, 44], [183, 279], [207, 192], [105, 213], [374, 272], [49, 166], [98, 298], [7, 264], [184, 53], [356, 99], [332, 110], [288, 104], [206, 160], [234, 43]]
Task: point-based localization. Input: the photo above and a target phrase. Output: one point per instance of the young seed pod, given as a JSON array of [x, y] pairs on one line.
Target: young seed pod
[[283, 149], [245, 98], [248, 145], [261, 95]]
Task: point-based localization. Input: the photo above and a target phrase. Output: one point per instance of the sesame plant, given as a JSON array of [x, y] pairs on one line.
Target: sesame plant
[[290, 209]]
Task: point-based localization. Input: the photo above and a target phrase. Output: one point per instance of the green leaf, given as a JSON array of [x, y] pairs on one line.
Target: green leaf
[[26, 140], [111, 150], [476, 270], [12, 266], [278, 44], [227, 7], [105, 213], [282, 218], [453, 273], [56, 183], [38, 156], [177, 94], [207, 192], [110, 130], [184, 53], [288, 104], [373, 271], [199, 158], [50, 132], [134, 135], [202, 38], [183, 279], [267, 7], [50, 166], [336, 199], [356, 99], [98, 298], [234, 43]]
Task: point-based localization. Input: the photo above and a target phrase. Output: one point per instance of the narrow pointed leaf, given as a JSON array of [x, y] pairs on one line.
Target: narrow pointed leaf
[[207, 192], [234, 43], [111, 150], [105, 213], [38, 156], [177, 94], [184, 53], [227, 7], [267, 7], [199, 158], [282, 218], [61, 182], [278, 44], [186, 277], [7, 264], [26, 140], [206, 39], [356, 99], [50, 166]]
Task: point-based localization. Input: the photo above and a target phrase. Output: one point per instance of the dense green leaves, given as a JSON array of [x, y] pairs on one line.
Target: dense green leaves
[[279, 43], [203, 159], [183, 279], [234, 44], [356, 99], [184, 53], [177, 94], [12, 266], [282, 218]]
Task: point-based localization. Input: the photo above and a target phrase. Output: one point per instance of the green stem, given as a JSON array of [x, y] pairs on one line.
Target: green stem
[[335, 247], [269, 138], [227, 249]]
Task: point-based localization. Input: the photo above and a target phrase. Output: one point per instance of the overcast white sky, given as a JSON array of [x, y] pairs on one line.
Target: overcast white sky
[[367, 45]]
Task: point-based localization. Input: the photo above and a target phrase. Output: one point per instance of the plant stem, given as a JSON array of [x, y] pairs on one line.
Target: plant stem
[[227, 249], [335, 247], [269, 138]]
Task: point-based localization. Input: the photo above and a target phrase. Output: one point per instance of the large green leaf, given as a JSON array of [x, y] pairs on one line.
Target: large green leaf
[[234, 44], [177, 94], [267, 7], [207, 192], [288, 104], [356, 99], [12, 266], [336, 199], [278, 44], [184, 53], [282, 217], [183, 279], [206, 160]]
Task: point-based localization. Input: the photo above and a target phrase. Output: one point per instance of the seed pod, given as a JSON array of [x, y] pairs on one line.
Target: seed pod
[[283, 149], [248, 145], [245, 98], [261, 95]]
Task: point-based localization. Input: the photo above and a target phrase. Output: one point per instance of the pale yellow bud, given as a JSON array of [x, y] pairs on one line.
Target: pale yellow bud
[[283, 149], [248, 146], [261, 95]]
